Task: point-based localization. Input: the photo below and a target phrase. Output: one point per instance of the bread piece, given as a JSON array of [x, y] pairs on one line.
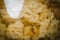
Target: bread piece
[[36, 21], [15, 30]]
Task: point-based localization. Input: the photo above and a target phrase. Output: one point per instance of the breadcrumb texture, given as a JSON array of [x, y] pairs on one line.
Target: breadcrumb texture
[[36, 21]]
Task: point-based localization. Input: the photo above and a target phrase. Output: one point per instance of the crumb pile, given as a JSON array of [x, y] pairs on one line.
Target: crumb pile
[[36, 21]]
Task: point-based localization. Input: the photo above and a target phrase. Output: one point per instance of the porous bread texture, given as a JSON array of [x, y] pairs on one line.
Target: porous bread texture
[[40, 17], [6, 19], [2, 28], [15, 30], [36, 21]]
